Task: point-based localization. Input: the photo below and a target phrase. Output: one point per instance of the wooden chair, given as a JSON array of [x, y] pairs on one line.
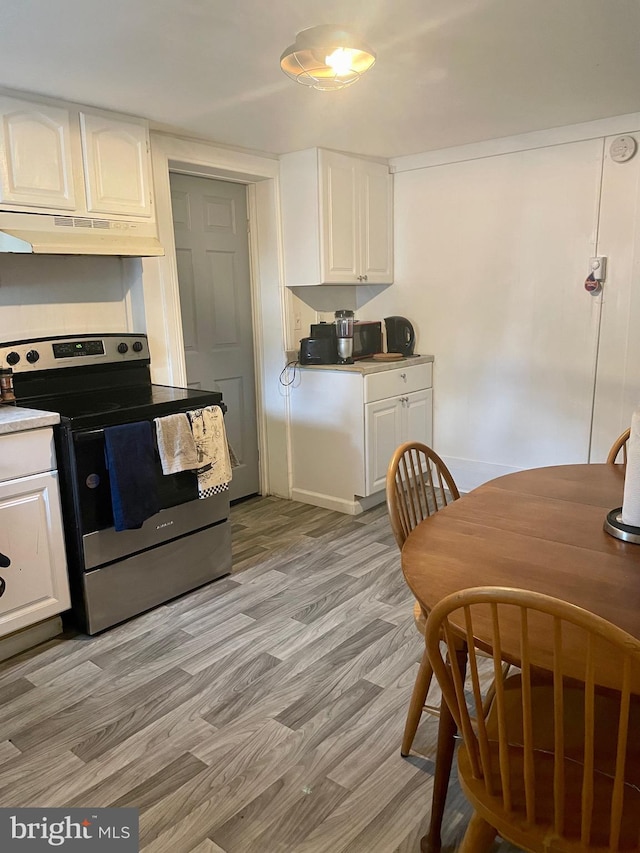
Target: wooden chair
[[418, 485], [620, 444], [555, 763]]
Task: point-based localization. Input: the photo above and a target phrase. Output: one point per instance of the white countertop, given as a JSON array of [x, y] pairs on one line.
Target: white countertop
[[16, 419], [367, 365]]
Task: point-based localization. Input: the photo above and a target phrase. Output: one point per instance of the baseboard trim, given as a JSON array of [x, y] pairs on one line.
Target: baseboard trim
[[354, 507], [29, 637], [469, 474]]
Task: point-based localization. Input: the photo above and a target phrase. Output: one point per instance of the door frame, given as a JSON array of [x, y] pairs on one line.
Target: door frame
[[161, 293]]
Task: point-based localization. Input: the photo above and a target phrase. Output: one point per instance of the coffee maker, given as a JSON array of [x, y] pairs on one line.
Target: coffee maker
[[344, 336]]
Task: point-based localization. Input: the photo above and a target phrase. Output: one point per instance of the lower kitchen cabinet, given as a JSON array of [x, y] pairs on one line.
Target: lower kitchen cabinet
[[388, 424], [345, 426], [35, 584]]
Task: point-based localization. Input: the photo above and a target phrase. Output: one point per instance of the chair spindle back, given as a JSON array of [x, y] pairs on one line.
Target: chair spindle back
[[561, 745], [418, 485]]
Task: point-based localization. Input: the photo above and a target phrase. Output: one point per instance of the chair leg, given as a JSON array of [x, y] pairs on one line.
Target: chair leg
[[447, 729], [416, 705], [479, 836]]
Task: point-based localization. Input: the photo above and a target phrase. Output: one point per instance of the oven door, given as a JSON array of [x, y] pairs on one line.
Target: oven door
[[182, 512]]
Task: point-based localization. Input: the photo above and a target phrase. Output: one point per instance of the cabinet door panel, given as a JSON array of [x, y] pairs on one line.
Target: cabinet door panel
[[376, 206], [35, 155], [339, 219], [417, 417], [383, 428], [31, 536], [116, 164]]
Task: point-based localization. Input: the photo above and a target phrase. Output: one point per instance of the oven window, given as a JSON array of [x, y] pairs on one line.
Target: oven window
[[93, 489]]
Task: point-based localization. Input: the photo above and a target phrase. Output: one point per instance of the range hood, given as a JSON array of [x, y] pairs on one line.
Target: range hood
[[50, 234]]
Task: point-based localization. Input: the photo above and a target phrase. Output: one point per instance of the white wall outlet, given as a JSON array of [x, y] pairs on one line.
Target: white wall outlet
[[297, 322]]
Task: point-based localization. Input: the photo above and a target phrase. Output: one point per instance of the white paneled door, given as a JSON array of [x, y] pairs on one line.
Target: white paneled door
[[210, 226]]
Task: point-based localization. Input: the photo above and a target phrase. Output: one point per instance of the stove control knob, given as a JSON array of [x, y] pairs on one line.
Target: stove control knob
[[32, 356], [137, 347], [13, 358], [122, 348]]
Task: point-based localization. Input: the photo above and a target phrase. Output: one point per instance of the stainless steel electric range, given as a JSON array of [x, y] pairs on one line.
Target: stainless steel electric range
[[95, 382]]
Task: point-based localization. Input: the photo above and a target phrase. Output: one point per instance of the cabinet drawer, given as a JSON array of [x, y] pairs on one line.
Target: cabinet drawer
[[403, 380], [26, 453]]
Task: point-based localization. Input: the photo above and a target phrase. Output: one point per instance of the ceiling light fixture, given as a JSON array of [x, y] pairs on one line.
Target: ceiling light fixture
[[327, 57]]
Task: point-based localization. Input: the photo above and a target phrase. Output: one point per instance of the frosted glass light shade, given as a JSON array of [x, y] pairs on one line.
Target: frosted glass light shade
[[327, 57]]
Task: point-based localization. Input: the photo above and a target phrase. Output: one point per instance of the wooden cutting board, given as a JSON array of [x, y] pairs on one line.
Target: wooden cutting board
[[388, 356]]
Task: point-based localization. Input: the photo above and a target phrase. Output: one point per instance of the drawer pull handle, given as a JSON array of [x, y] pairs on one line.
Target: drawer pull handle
[[403, 376], [5, 562], [3, 586]]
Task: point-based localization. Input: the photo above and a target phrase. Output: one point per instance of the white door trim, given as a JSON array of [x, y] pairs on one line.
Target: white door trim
[[162, 295]]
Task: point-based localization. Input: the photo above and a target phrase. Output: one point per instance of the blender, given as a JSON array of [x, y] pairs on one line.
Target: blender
[[344, 334]]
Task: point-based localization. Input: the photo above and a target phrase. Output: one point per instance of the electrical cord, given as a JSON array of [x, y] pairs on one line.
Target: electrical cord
[[283, 379]]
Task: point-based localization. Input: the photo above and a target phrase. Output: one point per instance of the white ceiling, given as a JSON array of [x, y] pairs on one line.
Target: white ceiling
[[449, 72]]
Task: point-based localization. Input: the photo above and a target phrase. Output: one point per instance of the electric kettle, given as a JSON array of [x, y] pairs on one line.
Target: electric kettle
[[400, 335]]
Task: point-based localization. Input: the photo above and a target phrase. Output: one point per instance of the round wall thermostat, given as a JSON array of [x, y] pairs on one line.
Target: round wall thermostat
[[623, 148]]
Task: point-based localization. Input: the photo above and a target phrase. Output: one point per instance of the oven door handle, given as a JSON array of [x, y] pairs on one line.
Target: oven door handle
[[89, 434]]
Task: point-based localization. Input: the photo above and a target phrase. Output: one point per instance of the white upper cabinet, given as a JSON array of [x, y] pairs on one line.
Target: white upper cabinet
[[376, 223], [59, 158], [35, 155], [340, 223], [337, 215], [116, 164]]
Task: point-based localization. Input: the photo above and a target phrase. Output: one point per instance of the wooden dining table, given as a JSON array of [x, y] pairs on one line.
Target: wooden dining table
[[540, 529]]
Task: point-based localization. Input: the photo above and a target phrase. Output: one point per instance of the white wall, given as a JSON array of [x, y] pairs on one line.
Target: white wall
[[491, 259], [51, 295]]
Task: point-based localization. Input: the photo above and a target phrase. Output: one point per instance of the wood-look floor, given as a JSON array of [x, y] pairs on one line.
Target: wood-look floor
[[262, 712]]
